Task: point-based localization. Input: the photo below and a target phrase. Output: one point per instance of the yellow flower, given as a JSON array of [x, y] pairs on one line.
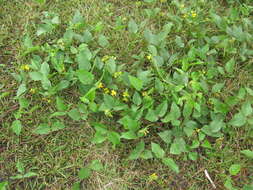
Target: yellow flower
[[113, 93], [162, 14], [108, 113], [144, 131], [100, 85], [153, 177], [194, 14], [144, 93], [138, 3], [32, 90], [117, 74], [182, 6], [185, 16], [25, 67], [105, 58], [163, 1], [197, 130], [125, 94], [149, 57], [46, 100], [106, 91]]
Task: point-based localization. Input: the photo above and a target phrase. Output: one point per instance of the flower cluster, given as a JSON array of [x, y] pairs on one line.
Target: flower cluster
[[192, 14], [125, 96], [106, 90], [107, 57], [25, 67]]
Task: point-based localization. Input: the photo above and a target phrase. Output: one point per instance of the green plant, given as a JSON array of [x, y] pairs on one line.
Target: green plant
[[164, 95]]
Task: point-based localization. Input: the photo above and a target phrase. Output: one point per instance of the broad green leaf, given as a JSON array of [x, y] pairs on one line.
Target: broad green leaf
[[129, 123], [178, 146], [44, 28], [157, 150], [102, 40], [58, 125], [74, 114], [96, 165], [246, 108], [46, 84], [216, 125], [135, 82], [42, 129], [162, 109], [171, 164], [128, 135], [234, 169], [207, 129], [84, 76], [166, 136], [109, 101], [230, 65], [159, 85], [151, 116], [16, 127], [137, 98], [45, 69], [195, 144], [193, 155], [249, 91], [174, 113], [189, 127], [77, 18], [98, 138], [36, 76], [228, 184], [238, 120], [248, 153], [188, 108], [135, 154], [114, 138], [23, 102], [217, 87], [87, 36], [111, 66], [146, 154], [62, 85], [60, 104], [21, 89], [132, 26], [83, 59], [84, 173]]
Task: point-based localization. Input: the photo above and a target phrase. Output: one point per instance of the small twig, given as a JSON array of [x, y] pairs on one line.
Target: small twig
[[209, 178], [107, 185]]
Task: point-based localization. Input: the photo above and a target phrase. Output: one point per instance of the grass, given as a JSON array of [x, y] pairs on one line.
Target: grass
[[58, 157]]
